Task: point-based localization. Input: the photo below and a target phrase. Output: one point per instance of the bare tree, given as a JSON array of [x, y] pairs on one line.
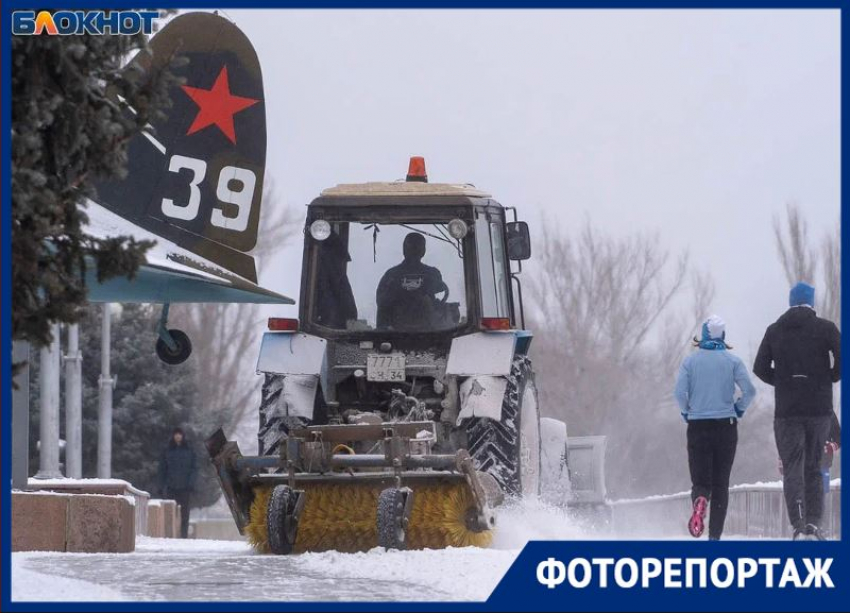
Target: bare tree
[[801, 258], [612, 322], [831, 258], [225, 334]]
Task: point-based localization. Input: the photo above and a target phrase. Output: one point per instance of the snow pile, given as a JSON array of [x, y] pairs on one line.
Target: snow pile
[[30, 586], [758, 485], [71, 486]]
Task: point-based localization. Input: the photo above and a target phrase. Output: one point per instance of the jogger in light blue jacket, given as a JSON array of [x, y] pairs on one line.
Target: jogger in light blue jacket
[[705, 391], [707, 379]]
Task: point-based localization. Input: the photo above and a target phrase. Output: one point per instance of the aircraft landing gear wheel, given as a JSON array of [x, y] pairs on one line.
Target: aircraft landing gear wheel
[[181, 351], [282, 519], [393, 511]]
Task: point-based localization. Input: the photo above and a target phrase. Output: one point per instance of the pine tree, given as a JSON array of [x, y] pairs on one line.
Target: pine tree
[[68, 131], [150, 399]]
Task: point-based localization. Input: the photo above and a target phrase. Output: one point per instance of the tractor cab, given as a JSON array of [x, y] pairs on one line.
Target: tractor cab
[[393, 273], [409, 262]]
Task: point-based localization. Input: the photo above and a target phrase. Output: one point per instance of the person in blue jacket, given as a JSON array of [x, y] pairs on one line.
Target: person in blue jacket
[[178, 470], [705, 392]]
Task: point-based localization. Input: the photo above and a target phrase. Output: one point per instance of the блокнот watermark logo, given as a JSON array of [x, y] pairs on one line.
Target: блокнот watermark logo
[[65, 23]]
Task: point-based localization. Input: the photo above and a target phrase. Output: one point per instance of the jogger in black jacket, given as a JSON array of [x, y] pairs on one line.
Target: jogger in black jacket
[[801, 357]]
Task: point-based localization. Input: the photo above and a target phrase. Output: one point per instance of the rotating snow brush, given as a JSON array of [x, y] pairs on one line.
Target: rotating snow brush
[[344, 518]]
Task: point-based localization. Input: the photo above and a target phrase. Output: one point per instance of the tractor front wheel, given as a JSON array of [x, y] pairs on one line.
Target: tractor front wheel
[[509, 449], [392, 518], [281, 520]]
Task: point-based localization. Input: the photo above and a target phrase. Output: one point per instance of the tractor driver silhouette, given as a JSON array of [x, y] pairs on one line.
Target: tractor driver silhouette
[[406, 292]]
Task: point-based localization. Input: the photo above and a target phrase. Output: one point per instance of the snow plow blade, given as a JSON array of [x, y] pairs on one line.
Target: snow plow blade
[[320, 494]]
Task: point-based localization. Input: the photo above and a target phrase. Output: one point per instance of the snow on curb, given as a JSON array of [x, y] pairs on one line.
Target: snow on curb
[[149, 544]]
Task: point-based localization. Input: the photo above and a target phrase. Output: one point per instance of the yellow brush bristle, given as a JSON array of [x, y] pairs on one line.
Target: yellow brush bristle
[[339, 517], [438, 519], [343, 518], [257, 530]]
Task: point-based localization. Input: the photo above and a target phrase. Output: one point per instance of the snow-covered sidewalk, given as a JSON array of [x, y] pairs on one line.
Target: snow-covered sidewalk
[[181, 570], [206, 570], [185, 570]]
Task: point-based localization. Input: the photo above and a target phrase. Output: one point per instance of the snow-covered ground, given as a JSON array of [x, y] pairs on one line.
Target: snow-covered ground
[[172, 569], [36, 586], [175, 570], [181, 570]]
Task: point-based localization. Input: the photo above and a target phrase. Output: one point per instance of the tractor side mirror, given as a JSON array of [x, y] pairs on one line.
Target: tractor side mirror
[[519, 242]]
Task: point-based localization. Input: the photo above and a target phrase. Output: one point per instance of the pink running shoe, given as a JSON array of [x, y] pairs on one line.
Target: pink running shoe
[[696, 525]]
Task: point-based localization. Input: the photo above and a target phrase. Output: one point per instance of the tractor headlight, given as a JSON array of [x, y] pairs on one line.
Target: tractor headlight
[[320, 229], [458, 228]]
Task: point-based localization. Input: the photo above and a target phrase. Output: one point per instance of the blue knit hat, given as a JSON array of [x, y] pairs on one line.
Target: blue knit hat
[[802, 294]]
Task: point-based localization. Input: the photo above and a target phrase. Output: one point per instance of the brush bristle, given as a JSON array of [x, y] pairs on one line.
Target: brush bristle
[[257, 529], [343, 518], [438, 519]]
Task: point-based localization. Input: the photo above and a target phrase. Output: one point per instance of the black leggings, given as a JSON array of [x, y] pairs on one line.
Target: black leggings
[[800, 441], [711, 452]]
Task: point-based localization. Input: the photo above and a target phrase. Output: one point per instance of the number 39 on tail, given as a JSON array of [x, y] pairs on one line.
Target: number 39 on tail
[[195, 178]]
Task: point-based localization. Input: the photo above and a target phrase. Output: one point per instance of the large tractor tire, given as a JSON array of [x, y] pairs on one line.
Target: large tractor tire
[[509, 449], [274, 423]]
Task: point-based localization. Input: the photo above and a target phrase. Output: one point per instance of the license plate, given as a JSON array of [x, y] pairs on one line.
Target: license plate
[[385, 367]]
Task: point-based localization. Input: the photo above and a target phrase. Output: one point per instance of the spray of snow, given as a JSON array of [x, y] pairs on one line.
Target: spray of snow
[[518, 522]]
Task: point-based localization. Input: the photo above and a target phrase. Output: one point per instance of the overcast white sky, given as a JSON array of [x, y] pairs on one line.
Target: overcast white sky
[[699, 125]]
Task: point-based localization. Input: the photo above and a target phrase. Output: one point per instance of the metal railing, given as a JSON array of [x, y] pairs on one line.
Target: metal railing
[[755, 511]]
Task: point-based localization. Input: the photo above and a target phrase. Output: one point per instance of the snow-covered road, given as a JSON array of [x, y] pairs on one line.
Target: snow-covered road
[[163, 569], [169, 569]]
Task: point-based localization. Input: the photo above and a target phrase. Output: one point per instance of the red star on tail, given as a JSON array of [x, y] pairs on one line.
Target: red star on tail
[[217, 106]]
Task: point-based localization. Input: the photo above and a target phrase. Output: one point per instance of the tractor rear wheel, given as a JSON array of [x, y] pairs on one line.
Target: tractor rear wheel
[[274, 423], [509, 449]]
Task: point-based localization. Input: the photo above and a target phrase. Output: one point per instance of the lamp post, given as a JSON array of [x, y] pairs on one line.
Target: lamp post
[[74, 405], [104, 413], [49, 360]]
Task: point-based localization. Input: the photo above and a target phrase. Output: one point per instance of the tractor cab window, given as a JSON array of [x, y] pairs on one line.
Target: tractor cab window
[[394, 277], [492, 268]]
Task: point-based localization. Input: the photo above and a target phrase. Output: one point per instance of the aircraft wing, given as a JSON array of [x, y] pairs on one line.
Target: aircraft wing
[[172, 274], [194, 181]]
